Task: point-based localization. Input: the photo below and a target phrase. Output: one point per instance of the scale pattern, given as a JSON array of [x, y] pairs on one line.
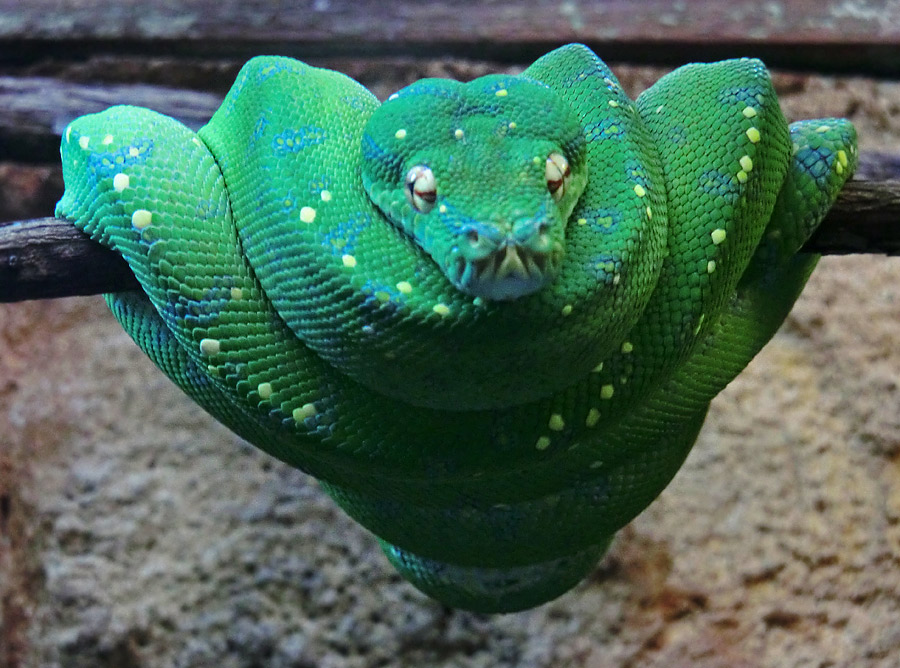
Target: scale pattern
[[494, 446]]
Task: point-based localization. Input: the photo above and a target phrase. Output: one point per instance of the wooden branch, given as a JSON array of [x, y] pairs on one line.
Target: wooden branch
[[813, 34], [47, 257], [35, 111], [864, 219]]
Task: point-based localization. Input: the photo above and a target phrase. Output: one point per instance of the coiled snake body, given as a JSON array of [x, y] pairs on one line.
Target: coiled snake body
[[489, 317]]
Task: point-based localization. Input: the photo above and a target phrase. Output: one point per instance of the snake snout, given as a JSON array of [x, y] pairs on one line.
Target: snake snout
[[534, 234], [508, 272], [505, 261]]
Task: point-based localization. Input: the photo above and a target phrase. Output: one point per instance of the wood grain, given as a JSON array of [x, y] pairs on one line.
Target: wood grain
[[648, 31], [47, 257]]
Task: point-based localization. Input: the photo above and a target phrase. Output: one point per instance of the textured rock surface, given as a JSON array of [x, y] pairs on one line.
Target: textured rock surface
[[137, 533]]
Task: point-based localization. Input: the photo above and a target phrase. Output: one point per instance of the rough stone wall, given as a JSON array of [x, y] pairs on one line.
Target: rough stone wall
[[137, 533]]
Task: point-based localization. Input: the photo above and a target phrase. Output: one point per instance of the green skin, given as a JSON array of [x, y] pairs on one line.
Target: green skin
[[489, 317]]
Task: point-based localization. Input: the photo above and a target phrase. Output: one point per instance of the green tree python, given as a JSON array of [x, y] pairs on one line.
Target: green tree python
[[490, 316]]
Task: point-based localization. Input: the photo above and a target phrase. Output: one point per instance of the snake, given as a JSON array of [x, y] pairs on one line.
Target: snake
[[488, 316]]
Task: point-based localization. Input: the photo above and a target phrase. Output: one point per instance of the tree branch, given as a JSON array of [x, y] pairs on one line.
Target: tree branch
[[864, 219], [47, 257]]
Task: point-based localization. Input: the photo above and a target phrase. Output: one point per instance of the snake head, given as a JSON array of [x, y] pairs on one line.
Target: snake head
[[482, 176]]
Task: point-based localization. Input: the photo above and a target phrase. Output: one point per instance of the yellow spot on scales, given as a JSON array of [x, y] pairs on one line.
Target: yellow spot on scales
[[121, 182], [639, 190], [237, 294], [210, 347], [607, 391], [141, 219], [441, 309], [264, 390], [710, 266], [593, 417], [348, 261], [718, 236], [502, 92], [613, 103], [567, 310], [753, 135], [459, 133], [556, 422], [749, 112], [307, 214], [326, 196], [842, 158], [400, 134], [627, 347], [542, 443], [84, 141], [134, 152], [405, 287], [303, 412], [107, 140], [746, 163]]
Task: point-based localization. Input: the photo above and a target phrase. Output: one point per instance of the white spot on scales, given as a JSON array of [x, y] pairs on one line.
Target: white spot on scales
[[141, 219], [121, 182]]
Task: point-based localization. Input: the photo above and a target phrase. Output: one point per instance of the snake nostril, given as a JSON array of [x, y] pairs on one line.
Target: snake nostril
[[473, 237]]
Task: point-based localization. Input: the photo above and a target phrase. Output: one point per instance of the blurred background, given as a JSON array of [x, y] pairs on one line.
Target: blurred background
[[135, 532]]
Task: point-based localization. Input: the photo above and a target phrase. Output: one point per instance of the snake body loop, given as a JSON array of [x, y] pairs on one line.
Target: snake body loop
[[490, 316]]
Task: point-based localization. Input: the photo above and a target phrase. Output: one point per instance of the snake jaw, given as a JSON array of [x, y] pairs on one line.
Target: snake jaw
[[509, 272]]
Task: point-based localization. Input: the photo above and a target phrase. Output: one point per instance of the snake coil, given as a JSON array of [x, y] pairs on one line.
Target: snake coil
[[489, 317]]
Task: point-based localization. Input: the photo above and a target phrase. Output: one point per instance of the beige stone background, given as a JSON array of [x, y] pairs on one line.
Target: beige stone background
[[137, 533]]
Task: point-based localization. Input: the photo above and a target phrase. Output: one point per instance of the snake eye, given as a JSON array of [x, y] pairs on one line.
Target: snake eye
[[421, 191], [558, 175]]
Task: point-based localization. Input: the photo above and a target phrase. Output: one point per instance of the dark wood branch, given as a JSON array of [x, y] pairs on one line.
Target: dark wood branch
[[35, 111], [864, 219], [47, 257], [811, 34]]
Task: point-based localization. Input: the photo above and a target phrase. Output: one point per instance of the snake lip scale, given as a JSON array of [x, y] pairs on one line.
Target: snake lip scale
[[489, 317]]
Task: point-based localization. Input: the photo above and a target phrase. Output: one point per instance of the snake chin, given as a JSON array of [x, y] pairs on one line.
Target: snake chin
[[509, 272]]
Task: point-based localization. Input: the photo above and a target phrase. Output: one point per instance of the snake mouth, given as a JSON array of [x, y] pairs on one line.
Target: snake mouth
[[509, 272]]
